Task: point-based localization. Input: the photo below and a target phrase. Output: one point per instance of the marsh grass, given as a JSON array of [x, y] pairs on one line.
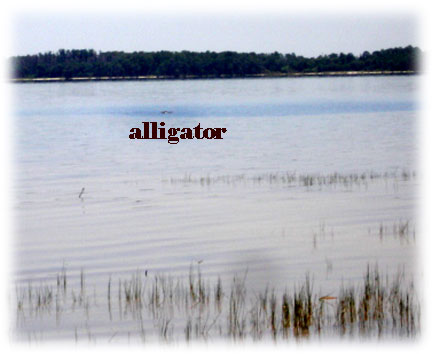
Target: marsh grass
[[303, 180], [171, 309], [401, 229]]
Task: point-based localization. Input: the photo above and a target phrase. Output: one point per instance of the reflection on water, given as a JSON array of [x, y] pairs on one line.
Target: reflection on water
[[314, 176]]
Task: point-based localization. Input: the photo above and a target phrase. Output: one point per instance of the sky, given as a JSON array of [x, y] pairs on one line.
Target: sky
[[303, 33]]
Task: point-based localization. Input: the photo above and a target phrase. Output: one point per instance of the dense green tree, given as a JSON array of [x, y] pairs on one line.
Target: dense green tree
[[89, 63]]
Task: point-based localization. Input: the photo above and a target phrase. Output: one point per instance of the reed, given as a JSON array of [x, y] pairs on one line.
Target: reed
[[308, 181], [376, 307]]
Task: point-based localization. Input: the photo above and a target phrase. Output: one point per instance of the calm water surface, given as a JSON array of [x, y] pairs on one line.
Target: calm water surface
[[159, 207]]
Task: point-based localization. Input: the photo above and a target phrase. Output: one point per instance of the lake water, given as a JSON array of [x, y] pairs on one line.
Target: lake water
[[238, 205]]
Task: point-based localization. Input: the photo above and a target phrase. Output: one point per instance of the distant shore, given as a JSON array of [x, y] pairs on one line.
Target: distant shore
[[196, 77]]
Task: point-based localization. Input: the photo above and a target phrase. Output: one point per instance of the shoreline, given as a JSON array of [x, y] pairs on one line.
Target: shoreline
[[206, 77]]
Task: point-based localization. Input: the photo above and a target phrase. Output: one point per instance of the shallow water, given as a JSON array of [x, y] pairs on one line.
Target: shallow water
[[160, 207]]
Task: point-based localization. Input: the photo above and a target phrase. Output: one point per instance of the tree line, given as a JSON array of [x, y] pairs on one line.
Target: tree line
[[89, 63]]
